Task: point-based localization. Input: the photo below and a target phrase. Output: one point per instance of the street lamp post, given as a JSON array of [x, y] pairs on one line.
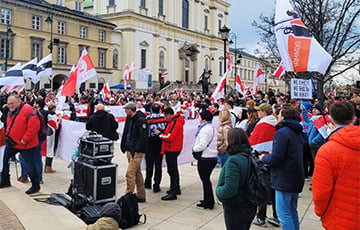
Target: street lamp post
[[224, 33], [9, 32], [50, 20], [234, 38]]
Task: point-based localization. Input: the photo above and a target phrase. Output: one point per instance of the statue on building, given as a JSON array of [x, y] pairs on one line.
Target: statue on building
[[204, 81]]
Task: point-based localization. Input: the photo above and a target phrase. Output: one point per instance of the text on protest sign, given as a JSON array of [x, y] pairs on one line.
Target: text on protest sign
[[301, 89]]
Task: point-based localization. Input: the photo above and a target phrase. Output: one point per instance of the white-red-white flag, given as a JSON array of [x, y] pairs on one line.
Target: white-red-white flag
[[70, 85], [273, 82], [239, 87], [259, 77], [126, 75], [298, 48], [219, 90], [228, 61], [60, 99], [165, 74], [280, 70], [105, 92], [85, 68], [131, 69]]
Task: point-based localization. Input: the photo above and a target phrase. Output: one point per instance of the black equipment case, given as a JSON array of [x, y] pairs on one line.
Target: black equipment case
[[98, 183], [96, 147]]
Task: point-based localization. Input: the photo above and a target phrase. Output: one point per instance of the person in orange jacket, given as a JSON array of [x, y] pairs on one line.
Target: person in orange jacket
[[336, 179]]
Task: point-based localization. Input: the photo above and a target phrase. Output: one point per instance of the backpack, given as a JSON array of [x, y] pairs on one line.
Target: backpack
[[258, 189], [130, 211], [43, 125]]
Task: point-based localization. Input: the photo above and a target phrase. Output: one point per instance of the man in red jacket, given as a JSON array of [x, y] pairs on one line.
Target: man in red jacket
[[172, 138], [336, 178], [21, 136]]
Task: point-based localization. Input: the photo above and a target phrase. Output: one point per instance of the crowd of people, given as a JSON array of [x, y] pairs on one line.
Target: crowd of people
[[283, 131]]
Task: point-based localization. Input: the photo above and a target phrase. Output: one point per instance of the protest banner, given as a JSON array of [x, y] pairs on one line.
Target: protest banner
[[301, 89]]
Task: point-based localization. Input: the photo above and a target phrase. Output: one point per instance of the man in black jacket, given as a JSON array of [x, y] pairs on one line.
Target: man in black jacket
[[103, 123], [134, 143]]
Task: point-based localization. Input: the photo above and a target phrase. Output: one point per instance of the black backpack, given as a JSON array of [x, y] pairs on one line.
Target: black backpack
[[43, 125], [237, 119], [130, 211], [258, 189]]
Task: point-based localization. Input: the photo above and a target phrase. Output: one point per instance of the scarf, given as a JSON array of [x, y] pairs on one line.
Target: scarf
[[201, 126]]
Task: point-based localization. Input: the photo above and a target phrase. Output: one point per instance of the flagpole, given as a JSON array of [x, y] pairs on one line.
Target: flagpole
[[317, 96]]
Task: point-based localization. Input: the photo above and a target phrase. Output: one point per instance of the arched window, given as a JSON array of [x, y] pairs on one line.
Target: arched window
[[185, 14], [115, 59], [161, 60], [161, 7]]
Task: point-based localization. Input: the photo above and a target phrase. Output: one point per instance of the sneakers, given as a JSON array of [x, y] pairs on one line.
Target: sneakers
[[33, 190], [274, 221], [23, 179], [259, 222]]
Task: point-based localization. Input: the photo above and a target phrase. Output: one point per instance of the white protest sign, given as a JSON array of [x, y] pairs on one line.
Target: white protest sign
[[301, 89]]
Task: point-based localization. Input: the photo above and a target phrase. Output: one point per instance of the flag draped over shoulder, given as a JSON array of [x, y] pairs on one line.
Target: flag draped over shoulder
[[30, 70], [85, 68], [14, 76], [44, 68], [298, 48]]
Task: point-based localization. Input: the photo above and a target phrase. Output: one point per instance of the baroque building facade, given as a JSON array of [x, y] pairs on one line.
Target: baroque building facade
[[180, 37], [60, 27]]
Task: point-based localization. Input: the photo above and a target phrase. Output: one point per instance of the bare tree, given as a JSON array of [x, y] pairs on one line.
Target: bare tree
[[334, 24]]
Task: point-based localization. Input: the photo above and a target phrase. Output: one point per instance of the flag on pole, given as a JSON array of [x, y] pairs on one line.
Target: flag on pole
[[298, 48], [280, 70], [131, 69], [126, 75], [70, 85], [165, 74], [60, 99], [105, 92], [85, 68], [258, 78], [44, 68], [273, 82], [14, 76], [228, 60], [219, 90], [30, 70], [239, 87]]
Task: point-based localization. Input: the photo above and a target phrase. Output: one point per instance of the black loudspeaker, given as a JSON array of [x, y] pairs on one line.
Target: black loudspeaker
[[358, 84], [98, 183]]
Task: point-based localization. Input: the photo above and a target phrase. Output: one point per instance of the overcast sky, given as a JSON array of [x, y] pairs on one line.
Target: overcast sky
[[242, 14]]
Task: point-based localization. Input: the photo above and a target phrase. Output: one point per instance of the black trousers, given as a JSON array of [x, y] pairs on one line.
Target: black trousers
[[153, 158], [205, 167], [172, 169], [308, 160], [238, 217], [262, 209]]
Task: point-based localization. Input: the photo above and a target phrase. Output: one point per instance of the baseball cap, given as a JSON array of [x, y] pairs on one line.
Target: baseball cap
[[264, 107], [130, 105]]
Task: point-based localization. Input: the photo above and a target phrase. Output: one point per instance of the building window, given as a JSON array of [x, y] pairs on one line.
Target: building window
[[102, 36], [83, 32], [5, 45], [220, 68], [77, 6], [61, 27], [161, 7], [142, 3], [111, 2], [185, 14], [219, 23], [102, 58], [5, 16], [36, 22], [115, 59], [36, 48], [61, 57], [59, 2], [143, 58], [161, 59], [206, 22]]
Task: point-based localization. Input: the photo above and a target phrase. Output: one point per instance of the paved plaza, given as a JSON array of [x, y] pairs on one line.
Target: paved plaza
[[20, 211]]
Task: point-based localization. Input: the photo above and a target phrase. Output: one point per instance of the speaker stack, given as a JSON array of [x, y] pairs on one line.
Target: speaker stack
[[95, 175]]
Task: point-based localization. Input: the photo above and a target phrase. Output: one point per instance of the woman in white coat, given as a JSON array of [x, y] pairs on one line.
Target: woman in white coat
[[206, 140]]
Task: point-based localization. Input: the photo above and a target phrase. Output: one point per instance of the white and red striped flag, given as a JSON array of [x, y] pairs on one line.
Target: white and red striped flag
[[85, 68], [131, 69], [126, 75], [258, 78], [280, 70], [239, 87], [165, 74], [219, 90], [105, 92], [228, 60]]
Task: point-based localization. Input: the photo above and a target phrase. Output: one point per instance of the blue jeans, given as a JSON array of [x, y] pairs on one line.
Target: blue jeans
[[38, 164], [29, 157], [286, 208], [222, 158]]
